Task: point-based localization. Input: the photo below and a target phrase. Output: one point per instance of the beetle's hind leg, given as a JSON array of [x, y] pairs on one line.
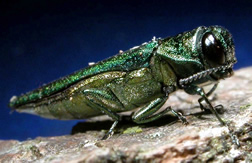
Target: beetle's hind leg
[[104, 101]]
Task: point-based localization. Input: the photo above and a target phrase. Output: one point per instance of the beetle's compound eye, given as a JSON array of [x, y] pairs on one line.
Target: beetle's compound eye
[[212, 50]]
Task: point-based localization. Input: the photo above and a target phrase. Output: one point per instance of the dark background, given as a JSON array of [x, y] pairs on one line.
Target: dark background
[[44, 40]]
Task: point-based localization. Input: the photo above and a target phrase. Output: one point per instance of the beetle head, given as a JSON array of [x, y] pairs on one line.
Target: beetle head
[[217, 51]]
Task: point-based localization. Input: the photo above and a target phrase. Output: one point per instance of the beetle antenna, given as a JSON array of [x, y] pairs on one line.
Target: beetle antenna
[[202, 74]]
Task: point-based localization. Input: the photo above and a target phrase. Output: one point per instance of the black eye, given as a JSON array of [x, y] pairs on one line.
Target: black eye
[[212, 50]]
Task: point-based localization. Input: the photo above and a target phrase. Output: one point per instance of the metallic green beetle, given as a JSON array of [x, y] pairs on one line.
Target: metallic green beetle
[[142, 77]]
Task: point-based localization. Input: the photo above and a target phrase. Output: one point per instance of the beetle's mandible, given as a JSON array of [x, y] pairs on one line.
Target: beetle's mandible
[[141, 77]]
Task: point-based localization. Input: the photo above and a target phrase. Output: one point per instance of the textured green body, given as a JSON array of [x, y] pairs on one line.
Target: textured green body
[[132, 89], [127, 61], [142, 75], [127, 74]]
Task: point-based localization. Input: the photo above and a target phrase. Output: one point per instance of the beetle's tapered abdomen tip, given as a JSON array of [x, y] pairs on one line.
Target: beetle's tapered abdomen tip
[[12, 101]]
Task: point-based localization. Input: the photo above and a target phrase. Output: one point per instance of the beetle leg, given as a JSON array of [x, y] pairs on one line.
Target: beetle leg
[[180, 116], [192, 89], [212, 109], [111, 131], [104, 102], [201, 99], [145, 114], [219, 108]]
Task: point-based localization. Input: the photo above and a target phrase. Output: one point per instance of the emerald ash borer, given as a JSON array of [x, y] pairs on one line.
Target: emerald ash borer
[[142, 77]]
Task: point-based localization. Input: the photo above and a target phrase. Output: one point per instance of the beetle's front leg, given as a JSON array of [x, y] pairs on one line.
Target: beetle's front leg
[[218, 108], [192, 89], [104, 101]]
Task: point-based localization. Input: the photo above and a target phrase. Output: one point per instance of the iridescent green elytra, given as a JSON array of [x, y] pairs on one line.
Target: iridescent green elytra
[[143, 76]]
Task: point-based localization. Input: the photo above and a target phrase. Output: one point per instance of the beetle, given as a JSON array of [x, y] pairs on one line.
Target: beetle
[[141, 77]]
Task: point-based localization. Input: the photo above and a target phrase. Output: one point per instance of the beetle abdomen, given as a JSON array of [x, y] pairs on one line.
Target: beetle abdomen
[[127, 61], [71, 103]]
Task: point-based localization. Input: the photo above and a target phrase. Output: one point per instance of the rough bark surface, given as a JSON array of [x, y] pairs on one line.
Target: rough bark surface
[[166, 140]]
